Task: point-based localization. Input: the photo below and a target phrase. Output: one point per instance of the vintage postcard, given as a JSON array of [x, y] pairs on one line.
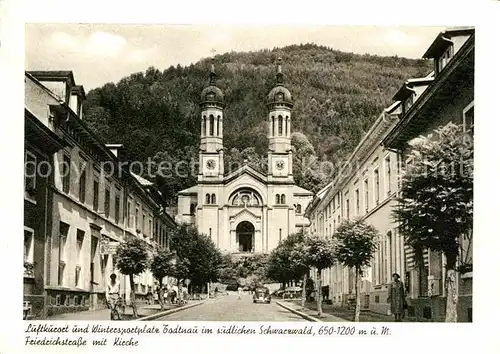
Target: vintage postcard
[[224, 180]]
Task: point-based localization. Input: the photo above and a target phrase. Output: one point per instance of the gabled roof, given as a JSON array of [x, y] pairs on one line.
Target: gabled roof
[[245, 169], [244, 211]]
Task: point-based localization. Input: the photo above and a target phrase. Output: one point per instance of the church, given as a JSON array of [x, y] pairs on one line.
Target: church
[[245, 211]]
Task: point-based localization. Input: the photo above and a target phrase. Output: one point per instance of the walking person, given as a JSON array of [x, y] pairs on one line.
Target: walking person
[[240, 290], [396, 298], [113, 298]]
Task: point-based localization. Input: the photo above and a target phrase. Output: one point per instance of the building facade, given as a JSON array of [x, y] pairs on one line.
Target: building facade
[[95, 204], [369, 181], [450, 98], [245, 210], [41, 142]]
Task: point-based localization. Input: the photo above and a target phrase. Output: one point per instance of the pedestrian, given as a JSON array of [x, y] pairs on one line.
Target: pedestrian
[[240, 290], [113, 298], [149, 297], [396, 298]]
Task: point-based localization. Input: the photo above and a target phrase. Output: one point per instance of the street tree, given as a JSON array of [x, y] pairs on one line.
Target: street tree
[[435, 207], [198, 259], [299, 266], [286, 262], [163, 265], [356, 242], [132, 259], [319, 253]]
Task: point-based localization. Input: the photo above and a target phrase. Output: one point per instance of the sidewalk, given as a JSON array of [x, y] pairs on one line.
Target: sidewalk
[[312, 312], [344, 314], [104, 314]]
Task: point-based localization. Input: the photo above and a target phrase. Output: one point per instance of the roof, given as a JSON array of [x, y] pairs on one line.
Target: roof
[[443, 39], [246, 169], [458, 71], [280, 95], [190, 190], [79, 90], [53, 75], [142, 181], [392, 107], [212, 94], [301, 191], [406, 88]]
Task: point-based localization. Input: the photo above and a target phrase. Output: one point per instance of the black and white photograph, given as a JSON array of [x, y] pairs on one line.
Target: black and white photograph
[[237, 173]]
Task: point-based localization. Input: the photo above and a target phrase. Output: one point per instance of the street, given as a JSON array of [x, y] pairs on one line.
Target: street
[[229, 308]]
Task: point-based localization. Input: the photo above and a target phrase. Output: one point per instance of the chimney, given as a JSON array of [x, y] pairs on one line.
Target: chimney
[[114, 148], [76, 99]]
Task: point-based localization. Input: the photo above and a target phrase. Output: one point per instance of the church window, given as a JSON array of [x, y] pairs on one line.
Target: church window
[[218, 125], [286, 126], [207, 199], [298, 210], [213, 198], [280, 235], [192, 209], [283, 199], [280, 125], [212, 125], [245, 197], [203, 125], [277, 198], [272, 132]]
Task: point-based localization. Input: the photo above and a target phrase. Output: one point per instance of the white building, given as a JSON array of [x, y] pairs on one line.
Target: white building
[[245, 210]]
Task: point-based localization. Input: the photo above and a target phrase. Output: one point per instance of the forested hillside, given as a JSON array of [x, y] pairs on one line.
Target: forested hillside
[[337, 96]]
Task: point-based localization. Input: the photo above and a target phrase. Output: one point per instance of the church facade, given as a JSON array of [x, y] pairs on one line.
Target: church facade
[[245, 211]]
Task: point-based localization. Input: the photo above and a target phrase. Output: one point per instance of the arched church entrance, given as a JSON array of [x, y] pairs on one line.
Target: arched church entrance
[[245, 234]]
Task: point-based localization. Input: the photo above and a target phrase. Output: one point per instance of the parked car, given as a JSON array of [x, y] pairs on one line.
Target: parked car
[[262, 294]]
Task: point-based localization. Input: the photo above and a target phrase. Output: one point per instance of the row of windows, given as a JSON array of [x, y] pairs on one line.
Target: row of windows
[[112, 203], [67, 258], [211, 199], [214, 126], [282, 124], [365, 198]]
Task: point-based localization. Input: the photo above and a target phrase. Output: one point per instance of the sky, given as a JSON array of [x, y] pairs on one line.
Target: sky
[[101, 53]]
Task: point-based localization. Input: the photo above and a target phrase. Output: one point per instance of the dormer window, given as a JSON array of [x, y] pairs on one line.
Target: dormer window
[[408, 102], [211, 96], [445, 58]]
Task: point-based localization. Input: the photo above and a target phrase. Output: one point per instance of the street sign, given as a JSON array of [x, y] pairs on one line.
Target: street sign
[[109, 247]]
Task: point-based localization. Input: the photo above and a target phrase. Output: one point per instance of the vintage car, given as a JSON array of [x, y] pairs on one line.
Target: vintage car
[[262, 294]]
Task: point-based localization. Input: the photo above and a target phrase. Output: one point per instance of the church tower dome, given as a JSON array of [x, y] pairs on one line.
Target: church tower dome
[[212, 95], [279, 95]]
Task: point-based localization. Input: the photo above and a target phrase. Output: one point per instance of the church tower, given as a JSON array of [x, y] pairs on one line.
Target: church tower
[[279, 104], [211, 143]]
